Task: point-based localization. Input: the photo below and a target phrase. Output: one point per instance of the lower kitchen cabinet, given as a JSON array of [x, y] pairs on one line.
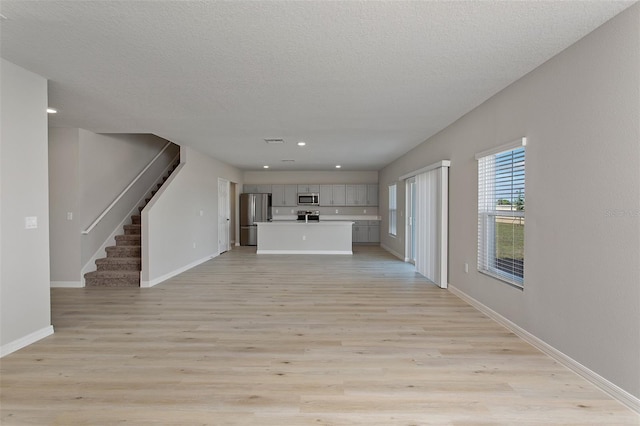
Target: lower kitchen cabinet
[[366, 231]]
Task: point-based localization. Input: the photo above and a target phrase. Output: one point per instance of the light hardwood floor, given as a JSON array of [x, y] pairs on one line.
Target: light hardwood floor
[[289, 340]]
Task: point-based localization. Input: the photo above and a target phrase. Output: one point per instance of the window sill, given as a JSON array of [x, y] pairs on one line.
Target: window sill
[[519, 286]]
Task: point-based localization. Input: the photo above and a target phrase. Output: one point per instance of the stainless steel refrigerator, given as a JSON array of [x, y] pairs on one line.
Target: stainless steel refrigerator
[[253, 208]]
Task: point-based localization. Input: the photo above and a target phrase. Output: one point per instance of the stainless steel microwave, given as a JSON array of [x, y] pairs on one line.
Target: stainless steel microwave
[[308, 199]]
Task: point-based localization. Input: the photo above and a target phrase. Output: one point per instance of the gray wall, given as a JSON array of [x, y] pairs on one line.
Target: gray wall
[[24, 253], [175, 236], [580, 112]]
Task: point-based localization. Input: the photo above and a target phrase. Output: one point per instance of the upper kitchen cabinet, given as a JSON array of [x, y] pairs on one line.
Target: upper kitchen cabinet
[[372, 194], [252, 188], [333, 195], [249, 188], [356, 195], [308, 189], [284, 195], [362, 195]]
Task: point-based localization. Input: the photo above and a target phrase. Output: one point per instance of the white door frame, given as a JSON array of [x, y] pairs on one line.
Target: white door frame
[[224, 213], [409, 255]]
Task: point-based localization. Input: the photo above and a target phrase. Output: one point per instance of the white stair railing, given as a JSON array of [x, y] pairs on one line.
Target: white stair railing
[[124, 191]]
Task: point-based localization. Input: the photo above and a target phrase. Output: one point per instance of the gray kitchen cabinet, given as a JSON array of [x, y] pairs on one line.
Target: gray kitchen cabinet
[[250, 188], [308, 189], [356, 195], [284, 195], [253, 188], [374, 233], [366, 231], [372, 194], [360, 232], [332, 195]]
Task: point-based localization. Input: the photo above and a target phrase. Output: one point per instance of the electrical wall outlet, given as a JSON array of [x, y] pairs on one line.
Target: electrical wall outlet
[[69, 215], [364, 211], [336, 211], [201, 212], [304, 238]]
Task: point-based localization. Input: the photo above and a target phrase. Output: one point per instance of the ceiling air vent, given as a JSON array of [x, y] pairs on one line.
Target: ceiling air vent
[[274, 141], [288, 161]]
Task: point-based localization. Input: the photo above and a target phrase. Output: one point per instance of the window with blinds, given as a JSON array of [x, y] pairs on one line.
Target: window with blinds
[[501, 211], [393, 210]]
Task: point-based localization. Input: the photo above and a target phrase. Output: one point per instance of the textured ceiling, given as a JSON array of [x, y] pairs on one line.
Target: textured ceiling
[[361, 82]]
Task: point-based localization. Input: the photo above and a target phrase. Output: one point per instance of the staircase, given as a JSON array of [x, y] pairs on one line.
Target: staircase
[[122, 266]]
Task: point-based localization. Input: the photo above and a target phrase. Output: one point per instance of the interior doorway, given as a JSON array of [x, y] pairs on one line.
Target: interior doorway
[[224, 216]]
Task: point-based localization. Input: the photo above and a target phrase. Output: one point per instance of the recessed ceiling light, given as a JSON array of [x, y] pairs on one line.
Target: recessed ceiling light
[[265, 167], [52, 110], [338, 166], [274, 141], [301, 143]]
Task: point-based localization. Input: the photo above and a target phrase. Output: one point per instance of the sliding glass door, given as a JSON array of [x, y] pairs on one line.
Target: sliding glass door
[[411, 221]]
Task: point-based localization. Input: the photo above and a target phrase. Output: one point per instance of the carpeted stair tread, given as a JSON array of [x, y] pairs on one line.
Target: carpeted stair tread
[[124, 251], [128, 240], [119, 264], [112, 279], [132, 229]]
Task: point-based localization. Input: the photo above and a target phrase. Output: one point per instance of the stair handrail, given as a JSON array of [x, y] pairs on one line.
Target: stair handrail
[[124, 191]]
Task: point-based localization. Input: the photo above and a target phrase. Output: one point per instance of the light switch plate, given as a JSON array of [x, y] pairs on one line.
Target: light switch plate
[[69, 215], [30, 222]]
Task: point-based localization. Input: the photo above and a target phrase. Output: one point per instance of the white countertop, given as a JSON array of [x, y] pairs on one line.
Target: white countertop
[[302, 222], [328, 217]]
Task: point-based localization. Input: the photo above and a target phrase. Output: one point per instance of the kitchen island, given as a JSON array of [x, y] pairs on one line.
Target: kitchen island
[[298, 237]]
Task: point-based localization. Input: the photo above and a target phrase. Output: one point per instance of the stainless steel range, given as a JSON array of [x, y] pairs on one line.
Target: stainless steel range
[[308, 215]]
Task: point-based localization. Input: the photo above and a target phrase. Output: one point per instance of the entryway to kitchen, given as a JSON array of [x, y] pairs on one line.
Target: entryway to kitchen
[[224, 214]]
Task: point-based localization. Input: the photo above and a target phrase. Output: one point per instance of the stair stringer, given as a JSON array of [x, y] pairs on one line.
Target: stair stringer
[[144, 274]]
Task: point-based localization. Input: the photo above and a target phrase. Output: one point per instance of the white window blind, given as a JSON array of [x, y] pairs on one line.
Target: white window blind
[[393, 211], [501, 213]]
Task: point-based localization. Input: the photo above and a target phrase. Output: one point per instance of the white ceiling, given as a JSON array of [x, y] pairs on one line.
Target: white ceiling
[[361, 82]]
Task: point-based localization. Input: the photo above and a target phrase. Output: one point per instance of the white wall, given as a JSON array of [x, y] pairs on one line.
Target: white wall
[[314, 177], [175, 236], [580, 112], [24, 254]]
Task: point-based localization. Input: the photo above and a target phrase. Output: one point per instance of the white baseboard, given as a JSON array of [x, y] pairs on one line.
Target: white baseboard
[[20, 343], [156, 281], [591, 376], [67, 284], [393, 252]]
